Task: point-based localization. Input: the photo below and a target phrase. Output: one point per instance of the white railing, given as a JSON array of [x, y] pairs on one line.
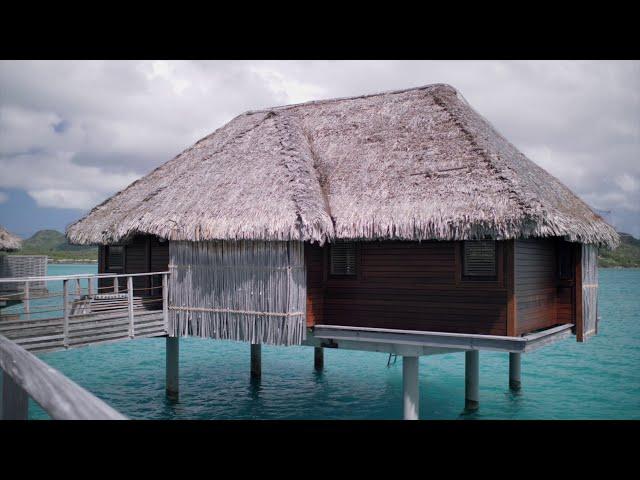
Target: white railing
[[86, 308], [24, 375]]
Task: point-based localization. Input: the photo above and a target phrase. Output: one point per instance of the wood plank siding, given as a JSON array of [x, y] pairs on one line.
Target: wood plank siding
[[407, 285], [420, 286]]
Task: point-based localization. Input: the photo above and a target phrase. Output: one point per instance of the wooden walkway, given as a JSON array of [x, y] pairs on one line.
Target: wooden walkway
[[47, 335], [83, 317]]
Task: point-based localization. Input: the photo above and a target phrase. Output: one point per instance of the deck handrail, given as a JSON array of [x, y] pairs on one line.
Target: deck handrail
[[81, 275], [25, 374]]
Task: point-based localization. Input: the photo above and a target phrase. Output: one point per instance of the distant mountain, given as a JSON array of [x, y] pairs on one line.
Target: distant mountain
[[55, 245], [626, 255]]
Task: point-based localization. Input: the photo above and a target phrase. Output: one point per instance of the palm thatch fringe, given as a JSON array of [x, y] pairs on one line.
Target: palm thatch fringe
[[253, 291], [417, 164]]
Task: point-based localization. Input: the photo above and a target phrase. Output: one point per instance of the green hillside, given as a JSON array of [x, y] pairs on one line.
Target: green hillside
[[626, 255], [55, 245]]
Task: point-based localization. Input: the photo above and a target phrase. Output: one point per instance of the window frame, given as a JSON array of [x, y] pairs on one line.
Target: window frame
[[482, 278], [356, 263]]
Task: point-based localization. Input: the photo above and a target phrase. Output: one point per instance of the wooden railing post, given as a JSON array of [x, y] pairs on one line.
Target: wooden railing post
[[130, 302], [78, 289], [165, 301], [115, 285], [90, 287], [26, 301], [65, 307], [15, 401]]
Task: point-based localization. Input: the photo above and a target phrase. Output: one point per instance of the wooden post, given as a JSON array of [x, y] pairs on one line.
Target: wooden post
[[514, 371], [256, 361], [90, 287], [471, 380], [15, 401], [172, 367], [318, 358], [130, 305], [26, 301], [78, 289], [165, 301], [65, 308], [115, 285], [410, 386]]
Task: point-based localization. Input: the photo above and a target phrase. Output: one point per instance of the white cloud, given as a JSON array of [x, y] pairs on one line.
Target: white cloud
[[56, 181]]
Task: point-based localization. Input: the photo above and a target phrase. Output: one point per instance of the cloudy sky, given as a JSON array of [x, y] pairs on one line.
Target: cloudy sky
[[73, 133]]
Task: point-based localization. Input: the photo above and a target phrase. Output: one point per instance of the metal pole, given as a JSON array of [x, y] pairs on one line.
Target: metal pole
[[172, 367], [471, 380], [65, 308], [130, 305], [514, 371], [256, 361], [410, 387]]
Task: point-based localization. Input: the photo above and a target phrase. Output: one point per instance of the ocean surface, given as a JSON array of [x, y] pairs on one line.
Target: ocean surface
[[599, 379]]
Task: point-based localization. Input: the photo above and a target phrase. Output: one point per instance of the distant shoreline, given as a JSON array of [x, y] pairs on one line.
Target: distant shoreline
[[86, 261]]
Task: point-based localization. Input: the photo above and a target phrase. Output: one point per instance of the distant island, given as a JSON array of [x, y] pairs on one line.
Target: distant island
[[55, 245], [627, 255]]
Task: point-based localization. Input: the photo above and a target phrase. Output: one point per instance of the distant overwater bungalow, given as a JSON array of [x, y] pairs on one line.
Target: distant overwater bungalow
[[400, 222]]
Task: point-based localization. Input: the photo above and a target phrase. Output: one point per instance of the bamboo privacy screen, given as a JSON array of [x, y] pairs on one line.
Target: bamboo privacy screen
[[590, 288], [254, 291]]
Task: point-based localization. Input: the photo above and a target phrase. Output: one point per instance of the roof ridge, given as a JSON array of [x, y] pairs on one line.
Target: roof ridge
[[431, 86]]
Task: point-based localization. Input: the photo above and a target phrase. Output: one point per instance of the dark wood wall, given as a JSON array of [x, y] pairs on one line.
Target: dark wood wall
[[143, 253], [536, 284], [407, 285], [419, 286]]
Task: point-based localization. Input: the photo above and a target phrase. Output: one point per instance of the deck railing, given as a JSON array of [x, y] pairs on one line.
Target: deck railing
[[24, 375], [82, 309]]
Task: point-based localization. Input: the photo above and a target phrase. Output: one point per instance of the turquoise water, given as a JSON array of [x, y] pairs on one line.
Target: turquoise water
[[596, 380]]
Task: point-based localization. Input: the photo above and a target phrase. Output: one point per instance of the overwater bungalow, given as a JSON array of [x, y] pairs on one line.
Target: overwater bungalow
[[400, 222], [9, 241]]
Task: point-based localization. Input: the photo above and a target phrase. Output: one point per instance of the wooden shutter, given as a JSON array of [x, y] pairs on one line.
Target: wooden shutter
[[479, 259], [343, 259]]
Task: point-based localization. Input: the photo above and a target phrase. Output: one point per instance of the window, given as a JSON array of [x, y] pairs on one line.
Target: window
[[479, 259], [565, 261], [343, 259], [115, 257]]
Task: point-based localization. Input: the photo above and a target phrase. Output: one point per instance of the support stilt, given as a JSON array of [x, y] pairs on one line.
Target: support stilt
[[514, 371], [410, 386], [172, 367], [318, 358], [471, 380], [256, 361]]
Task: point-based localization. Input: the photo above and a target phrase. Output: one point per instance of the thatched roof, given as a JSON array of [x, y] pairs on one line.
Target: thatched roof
[[8, 241], [415, 164]]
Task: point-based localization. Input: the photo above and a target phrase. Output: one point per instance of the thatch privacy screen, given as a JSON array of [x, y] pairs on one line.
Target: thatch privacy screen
[[590, 289], [253, 291], [22, 266]]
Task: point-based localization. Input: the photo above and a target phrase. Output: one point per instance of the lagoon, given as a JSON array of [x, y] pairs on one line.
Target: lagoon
[[599, 379]]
